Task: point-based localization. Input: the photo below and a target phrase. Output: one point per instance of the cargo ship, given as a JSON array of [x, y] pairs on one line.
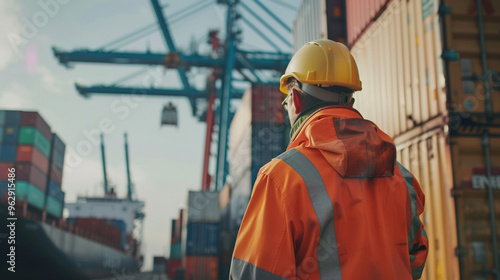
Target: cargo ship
[[39, 243]]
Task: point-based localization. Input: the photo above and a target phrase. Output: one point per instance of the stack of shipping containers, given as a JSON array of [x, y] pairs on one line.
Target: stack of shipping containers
[[55, 195], [200, 236], [174, 261], [429, 75], [25, 144]]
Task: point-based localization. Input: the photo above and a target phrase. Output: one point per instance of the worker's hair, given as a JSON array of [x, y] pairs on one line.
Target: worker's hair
[[309, 100]]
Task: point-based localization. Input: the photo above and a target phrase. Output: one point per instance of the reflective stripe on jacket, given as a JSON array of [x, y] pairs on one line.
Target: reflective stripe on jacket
[[335, 205]]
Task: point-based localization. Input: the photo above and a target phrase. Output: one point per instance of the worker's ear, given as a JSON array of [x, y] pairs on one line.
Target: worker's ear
[[296, 101]]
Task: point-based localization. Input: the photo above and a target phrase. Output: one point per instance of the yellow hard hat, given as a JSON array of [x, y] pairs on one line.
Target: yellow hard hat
[[323, 62]]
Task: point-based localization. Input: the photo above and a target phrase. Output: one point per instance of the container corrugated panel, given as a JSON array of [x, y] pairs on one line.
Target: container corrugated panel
[[202, 239], [8, 152], [173, 265], [2, 117], [34, 119], [266, 104], [268, 141], [240, 123], [10, 134], [29, 135], [4, 170], [468, 95], [26, 191], [428, 157], [32, 174], [309, 23], [360, 14], [473, 221], [30, 154], [12, 117], [54, 190], [203, 206], [58, 143], [54, 207], [1, 134], [201, 268], [398, 59], [56, 174], [175, 250]]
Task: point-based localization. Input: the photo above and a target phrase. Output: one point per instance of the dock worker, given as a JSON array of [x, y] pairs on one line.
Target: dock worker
[[336, 204]]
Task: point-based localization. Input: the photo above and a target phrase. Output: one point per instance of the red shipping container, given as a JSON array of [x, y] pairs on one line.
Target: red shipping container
[[172, 267], [30, 154], [32, 174], [201, 268], [266, 104], [34, 119], [4, 170], [360, 15]]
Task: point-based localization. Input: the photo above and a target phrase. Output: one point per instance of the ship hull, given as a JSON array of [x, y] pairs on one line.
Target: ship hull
[[43, 251]]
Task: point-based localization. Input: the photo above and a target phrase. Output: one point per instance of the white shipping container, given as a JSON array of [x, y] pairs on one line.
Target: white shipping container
[[399, 64], [309, 23]]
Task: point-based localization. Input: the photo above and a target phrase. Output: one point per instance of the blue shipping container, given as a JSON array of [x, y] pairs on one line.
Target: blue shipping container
[[10, 134], [202, 239], [2, 118], [13, 118], [54, 190], [8, 152]]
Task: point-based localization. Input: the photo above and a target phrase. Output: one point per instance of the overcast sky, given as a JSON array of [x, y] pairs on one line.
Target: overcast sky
[[166, 162]]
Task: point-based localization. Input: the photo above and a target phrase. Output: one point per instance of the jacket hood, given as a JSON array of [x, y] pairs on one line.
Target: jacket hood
[[353, 146]]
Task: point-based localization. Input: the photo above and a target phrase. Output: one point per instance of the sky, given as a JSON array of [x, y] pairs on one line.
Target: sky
[[166, 162]]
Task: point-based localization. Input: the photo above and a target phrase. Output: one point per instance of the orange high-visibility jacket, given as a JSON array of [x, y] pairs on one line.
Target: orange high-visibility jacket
[[335, 205]]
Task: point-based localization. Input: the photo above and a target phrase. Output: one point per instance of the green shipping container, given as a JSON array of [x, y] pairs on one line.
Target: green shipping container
[[27, 191], [31, 136], [175, 251], [54, 207]]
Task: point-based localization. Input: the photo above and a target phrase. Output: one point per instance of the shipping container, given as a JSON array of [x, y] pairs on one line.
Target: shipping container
[[203, 206], [175, 250], [29, 135], [34, 119], [32, 155], [32, 174], [2, 118], [202, 239], [56, 174], [172, 266], [4, 170], [58, 144], [12, 118], [159, 265], [266, 104], [54, 207], [10, 134], [8, 152], [423, 64], [319, 19], [54, 190], [200, 268], [30, 193]]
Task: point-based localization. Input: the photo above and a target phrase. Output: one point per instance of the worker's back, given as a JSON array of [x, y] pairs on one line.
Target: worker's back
[[336, 205]]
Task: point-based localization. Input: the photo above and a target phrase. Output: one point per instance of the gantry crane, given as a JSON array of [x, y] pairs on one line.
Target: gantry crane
[[232, 59]]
